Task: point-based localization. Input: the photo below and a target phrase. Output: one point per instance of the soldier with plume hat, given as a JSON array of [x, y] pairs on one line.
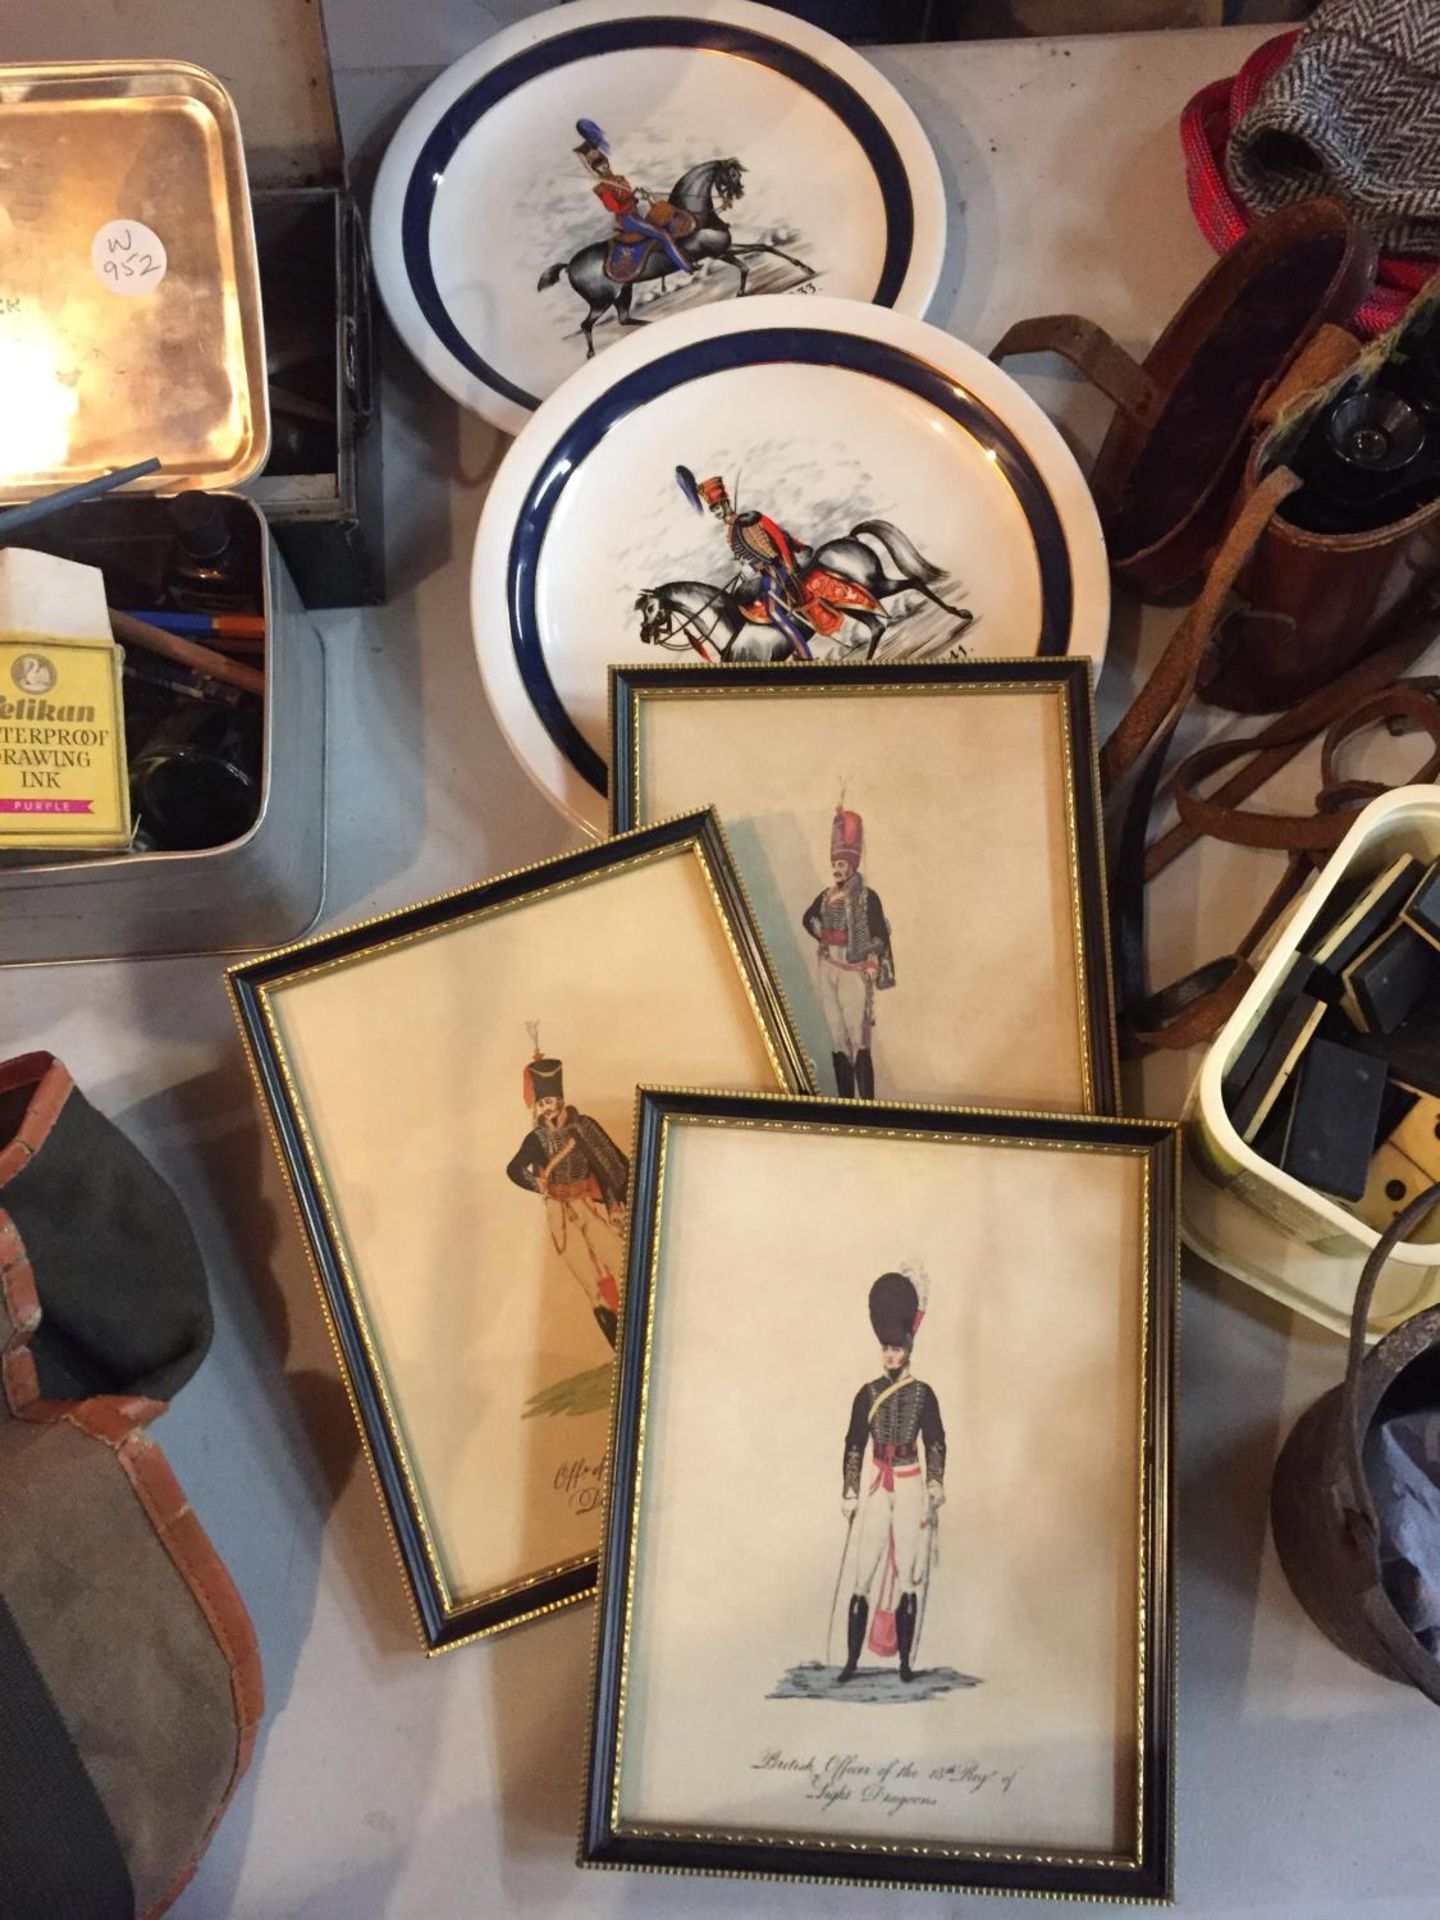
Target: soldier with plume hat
[[853, 955], [641, 218], [779, 584], [581, 1176]]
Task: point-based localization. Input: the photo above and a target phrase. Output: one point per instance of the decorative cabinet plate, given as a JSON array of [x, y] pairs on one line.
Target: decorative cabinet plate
[[613, 162], [762, 482]]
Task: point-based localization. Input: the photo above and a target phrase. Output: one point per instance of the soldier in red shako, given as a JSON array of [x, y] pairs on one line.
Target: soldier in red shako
[[642, 219], [582, 1177], [898, 1508], [854, 957], [788, 592]]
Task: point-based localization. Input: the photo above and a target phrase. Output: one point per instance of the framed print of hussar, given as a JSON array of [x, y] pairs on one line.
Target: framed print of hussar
[[452, 1090], [889, 1510], [921, 846]]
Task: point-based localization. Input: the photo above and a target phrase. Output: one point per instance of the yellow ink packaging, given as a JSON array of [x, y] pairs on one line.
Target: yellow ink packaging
[[63, 783]]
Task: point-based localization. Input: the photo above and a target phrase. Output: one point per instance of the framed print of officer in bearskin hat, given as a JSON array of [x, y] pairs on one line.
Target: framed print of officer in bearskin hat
[[921, 846], [450, 1086], [889, 1500], [898, 1416]]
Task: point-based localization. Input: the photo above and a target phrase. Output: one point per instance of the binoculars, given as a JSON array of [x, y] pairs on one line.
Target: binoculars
[[1372, 455]]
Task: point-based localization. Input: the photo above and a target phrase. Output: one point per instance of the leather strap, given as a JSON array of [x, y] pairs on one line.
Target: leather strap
[[1172, 682], [1088, 347], [1276, 744], [1194, 1008], [1323, 830], [1320, 361]]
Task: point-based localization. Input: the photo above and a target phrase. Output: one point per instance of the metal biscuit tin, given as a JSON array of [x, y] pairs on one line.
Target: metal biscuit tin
[[130, 320], [261, 890]]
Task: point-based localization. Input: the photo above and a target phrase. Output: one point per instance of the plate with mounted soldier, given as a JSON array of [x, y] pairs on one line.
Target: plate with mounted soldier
[[772, 481], [608, 164]]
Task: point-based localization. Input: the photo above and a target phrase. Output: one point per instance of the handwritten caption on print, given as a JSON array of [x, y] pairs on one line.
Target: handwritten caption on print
[[892, 1785], [129, 257], [580, 1482]]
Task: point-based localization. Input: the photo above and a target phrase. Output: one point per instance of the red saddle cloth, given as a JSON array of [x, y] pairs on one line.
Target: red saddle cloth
[[823, 601]]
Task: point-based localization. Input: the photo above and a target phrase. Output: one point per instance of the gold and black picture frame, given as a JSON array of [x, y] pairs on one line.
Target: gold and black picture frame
[[451, 1090], [886, 1591], [921, 846]]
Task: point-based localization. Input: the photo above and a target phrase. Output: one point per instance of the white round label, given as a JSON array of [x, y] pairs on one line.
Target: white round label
[[128, 256]]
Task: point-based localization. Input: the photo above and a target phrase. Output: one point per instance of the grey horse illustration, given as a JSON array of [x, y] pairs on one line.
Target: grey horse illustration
[[705, 192], [686, 614]]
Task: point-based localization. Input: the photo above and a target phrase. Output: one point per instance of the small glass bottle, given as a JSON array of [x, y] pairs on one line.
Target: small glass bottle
[[205, 573]]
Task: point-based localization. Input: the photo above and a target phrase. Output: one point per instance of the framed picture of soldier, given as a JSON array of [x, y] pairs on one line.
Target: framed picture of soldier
[[891, 1468], [921, 847], [451, 1089]]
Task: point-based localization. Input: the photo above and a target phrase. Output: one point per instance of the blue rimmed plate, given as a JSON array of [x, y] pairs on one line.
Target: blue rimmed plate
[[762, 481], [614, 162]]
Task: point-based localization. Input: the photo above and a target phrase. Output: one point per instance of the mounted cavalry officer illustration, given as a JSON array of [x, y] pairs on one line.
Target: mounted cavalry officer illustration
[[582, 1176], [786, 595], [643, 221], [854, 956], [891, 1516], [659, 235], [781, 583]]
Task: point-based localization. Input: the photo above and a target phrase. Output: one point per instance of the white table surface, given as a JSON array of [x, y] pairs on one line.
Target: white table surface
[[386, 1784]]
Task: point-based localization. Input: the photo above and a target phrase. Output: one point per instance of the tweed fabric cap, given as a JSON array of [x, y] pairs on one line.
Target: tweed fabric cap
[[1353, 115]]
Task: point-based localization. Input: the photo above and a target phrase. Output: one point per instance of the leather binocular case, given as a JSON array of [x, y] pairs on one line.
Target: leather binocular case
[[1346, 556], [1260, 452], [130, 1687], [1254, 373]]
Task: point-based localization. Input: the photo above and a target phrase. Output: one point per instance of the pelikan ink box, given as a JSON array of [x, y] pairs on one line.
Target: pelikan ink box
[[63, 783]]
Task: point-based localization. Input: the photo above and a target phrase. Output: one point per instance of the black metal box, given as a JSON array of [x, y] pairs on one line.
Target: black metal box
[[321, 487]]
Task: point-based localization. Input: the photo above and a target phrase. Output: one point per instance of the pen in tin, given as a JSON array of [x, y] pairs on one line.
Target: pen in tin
[[13, 518], [206, 626]]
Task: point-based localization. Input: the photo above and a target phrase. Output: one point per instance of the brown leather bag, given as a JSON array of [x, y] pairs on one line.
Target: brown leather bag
[[1191, 479], [1329, 1536], [130, 1686], [1309, 604], [1167, 474], [1222, 399]]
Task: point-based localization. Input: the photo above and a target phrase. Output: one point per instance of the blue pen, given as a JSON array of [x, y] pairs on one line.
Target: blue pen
[[242, 627], [13, 518]]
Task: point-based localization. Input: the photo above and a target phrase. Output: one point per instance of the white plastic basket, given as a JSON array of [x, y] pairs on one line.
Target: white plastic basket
[[1404, 821]]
